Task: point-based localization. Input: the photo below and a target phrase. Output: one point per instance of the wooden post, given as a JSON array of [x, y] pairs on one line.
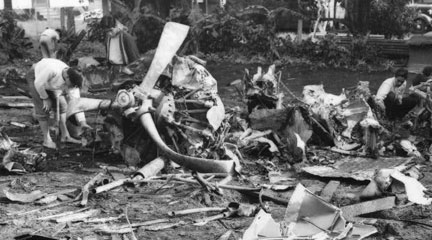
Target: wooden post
[[62, 18], [299, 26], [206, 7], [299, 30]]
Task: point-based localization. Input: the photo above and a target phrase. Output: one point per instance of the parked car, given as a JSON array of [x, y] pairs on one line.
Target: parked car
[[423, 21]]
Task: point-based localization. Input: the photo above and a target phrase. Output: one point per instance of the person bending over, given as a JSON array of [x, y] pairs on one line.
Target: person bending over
[[49, 42], [52, 78], [390, 96]]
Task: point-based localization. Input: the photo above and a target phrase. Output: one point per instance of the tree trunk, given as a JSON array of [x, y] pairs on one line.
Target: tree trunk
[[8, 4], [163, 8], [105, 7], [62, 18], [357, 16], [299, 31]]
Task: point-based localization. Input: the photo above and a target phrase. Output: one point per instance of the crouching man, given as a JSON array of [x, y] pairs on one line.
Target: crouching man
[[390, 96], [52, 78]]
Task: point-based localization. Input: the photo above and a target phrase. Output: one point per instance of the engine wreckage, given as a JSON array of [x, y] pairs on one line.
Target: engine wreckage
[[176, 112], [184, 108]]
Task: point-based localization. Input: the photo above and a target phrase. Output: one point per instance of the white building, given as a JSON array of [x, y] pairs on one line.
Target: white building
[[46, 13]]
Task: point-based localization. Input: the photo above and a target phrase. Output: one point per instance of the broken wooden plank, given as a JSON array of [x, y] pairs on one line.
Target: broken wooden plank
[[88, 185], [357, 168], [351, 211], [329, 190], [77, 216], [62, 214], [15, 98], [16, 105]]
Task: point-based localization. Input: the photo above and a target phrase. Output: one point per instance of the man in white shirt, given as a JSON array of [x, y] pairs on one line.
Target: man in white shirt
[[52, 78], [390, 96], [48, 41]]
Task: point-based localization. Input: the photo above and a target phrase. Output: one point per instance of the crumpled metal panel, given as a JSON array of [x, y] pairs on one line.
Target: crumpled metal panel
[[357, 168]]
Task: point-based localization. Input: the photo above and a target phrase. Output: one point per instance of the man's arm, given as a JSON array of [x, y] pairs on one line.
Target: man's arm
[[42, 78], [382, 93]]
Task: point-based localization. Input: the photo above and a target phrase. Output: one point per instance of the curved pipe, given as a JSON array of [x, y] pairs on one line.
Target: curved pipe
[[193, 163], [77, 105]]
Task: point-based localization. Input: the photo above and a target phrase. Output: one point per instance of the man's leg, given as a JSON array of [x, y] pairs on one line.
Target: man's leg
[[39, 113], [65, 136], [390, 103], [47, 140], [80, 118], [408, 103]]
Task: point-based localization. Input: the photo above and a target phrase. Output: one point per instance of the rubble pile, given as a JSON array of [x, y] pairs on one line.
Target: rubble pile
[[19, 161]]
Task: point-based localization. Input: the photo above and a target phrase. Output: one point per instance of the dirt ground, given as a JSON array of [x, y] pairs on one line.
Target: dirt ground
[[73, 166]]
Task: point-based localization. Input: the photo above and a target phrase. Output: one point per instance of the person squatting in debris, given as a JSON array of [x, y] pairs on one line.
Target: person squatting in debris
[[51, 78], [49, 42], [121, 47], [50, 48], [390, 96]]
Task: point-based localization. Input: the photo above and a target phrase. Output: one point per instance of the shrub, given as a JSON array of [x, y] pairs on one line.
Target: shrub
[[391, 18], [12, 38]]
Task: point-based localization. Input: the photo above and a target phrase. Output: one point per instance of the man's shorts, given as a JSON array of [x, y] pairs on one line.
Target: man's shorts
[[39, 113], [48, 46]]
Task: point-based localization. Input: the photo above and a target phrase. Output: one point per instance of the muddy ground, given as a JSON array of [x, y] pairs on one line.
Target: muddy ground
[[74, 166]]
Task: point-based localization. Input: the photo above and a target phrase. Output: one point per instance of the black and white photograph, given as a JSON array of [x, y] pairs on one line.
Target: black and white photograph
[[215, 119]]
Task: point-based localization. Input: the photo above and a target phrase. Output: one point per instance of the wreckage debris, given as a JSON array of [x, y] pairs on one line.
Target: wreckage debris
[[307, 216], [357, 168], [352, 211], [188, 111], [19, 161], [329, 190]]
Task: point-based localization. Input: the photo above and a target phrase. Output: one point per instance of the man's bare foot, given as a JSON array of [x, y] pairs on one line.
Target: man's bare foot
[[70, 140], [127, 71], [85, 125], [49, 144]]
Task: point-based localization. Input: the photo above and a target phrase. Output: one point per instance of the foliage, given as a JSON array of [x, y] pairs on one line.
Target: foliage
[[328, 51], [228, 35], [95, 32], [357, 16], [12, 38], [391, 17], [222, 32], [148, 30]]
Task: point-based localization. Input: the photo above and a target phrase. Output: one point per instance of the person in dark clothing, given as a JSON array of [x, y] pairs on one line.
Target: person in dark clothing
[[120, 45], [422, 77]]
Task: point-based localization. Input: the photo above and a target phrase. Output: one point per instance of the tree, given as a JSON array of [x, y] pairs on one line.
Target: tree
[[391, 17], [357, 16]]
